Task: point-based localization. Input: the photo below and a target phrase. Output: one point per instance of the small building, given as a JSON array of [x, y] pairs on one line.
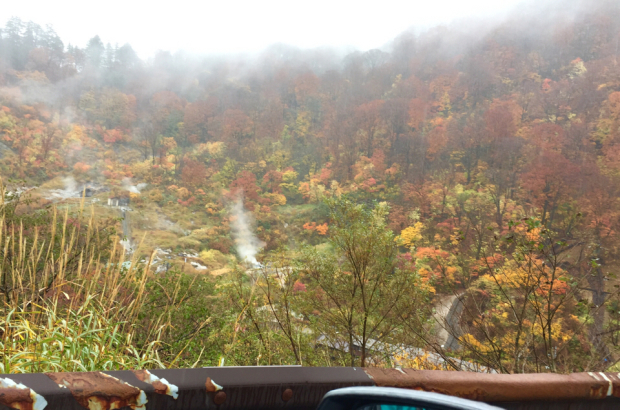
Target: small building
[[118, 201], [90, 189]]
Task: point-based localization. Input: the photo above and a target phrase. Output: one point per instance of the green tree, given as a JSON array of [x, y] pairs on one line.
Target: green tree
[[356, 287]]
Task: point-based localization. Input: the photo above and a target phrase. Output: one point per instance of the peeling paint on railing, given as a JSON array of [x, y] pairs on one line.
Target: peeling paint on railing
[[17, 396], [224, 388], [506, 388], [99, 391], [205, 388], [162, 386]]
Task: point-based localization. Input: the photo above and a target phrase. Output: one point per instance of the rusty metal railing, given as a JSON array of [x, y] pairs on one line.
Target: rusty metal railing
[[294, 388]]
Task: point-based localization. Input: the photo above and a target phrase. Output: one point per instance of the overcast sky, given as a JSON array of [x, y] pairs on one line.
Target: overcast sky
[[233, 26]]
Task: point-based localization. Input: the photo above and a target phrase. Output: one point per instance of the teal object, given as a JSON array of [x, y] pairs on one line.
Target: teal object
[[397, 407]]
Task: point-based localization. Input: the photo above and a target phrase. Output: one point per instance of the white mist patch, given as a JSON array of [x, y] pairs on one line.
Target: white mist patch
[[128, 185], [246, 242], [127, 243], [69, 191], [127, 246]]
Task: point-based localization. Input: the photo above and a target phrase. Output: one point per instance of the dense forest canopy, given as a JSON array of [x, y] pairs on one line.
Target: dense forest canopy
[[488, 155]]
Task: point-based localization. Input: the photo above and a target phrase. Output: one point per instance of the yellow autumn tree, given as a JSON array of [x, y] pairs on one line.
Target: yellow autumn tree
[[411, 235], [524, 313]]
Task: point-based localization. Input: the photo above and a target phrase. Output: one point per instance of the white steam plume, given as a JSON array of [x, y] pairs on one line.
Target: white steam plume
[[246, 242], [127, 184], [70, 190]]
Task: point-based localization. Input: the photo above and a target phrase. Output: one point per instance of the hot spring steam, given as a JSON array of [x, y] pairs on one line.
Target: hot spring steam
[[135, 189], [246, 242]]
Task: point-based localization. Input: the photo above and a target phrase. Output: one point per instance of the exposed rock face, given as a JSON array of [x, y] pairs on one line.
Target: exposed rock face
[[4, 150]]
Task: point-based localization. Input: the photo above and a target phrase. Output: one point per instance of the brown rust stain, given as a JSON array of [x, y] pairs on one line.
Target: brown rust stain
[[17, 396], [145, 376], [162, 386], [214, 391], [501, 387], [598, 392], [219, 398], [99, 391], [287, 395], [212, 386], [615, 378]]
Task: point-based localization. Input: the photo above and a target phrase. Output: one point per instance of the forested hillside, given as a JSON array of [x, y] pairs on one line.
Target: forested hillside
[[453, 196]]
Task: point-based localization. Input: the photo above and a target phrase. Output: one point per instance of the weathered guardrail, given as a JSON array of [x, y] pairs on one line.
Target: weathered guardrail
[[294, 388]]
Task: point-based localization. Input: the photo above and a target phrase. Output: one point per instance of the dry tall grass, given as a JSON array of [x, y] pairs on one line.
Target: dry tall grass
[[69, 297]]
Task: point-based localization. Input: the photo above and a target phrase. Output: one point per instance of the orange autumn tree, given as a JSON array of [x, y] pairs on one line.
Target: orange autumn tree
[[321, 229]]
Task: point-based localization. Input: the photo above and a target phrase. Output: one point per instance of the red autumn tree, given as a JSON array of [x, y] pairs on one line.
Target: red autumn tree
[[194, 173], [246, 183]]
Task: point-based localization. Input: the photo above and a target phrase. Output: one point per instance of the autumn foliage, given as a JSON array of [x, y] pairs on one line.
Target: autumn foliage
[[494, 161]]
